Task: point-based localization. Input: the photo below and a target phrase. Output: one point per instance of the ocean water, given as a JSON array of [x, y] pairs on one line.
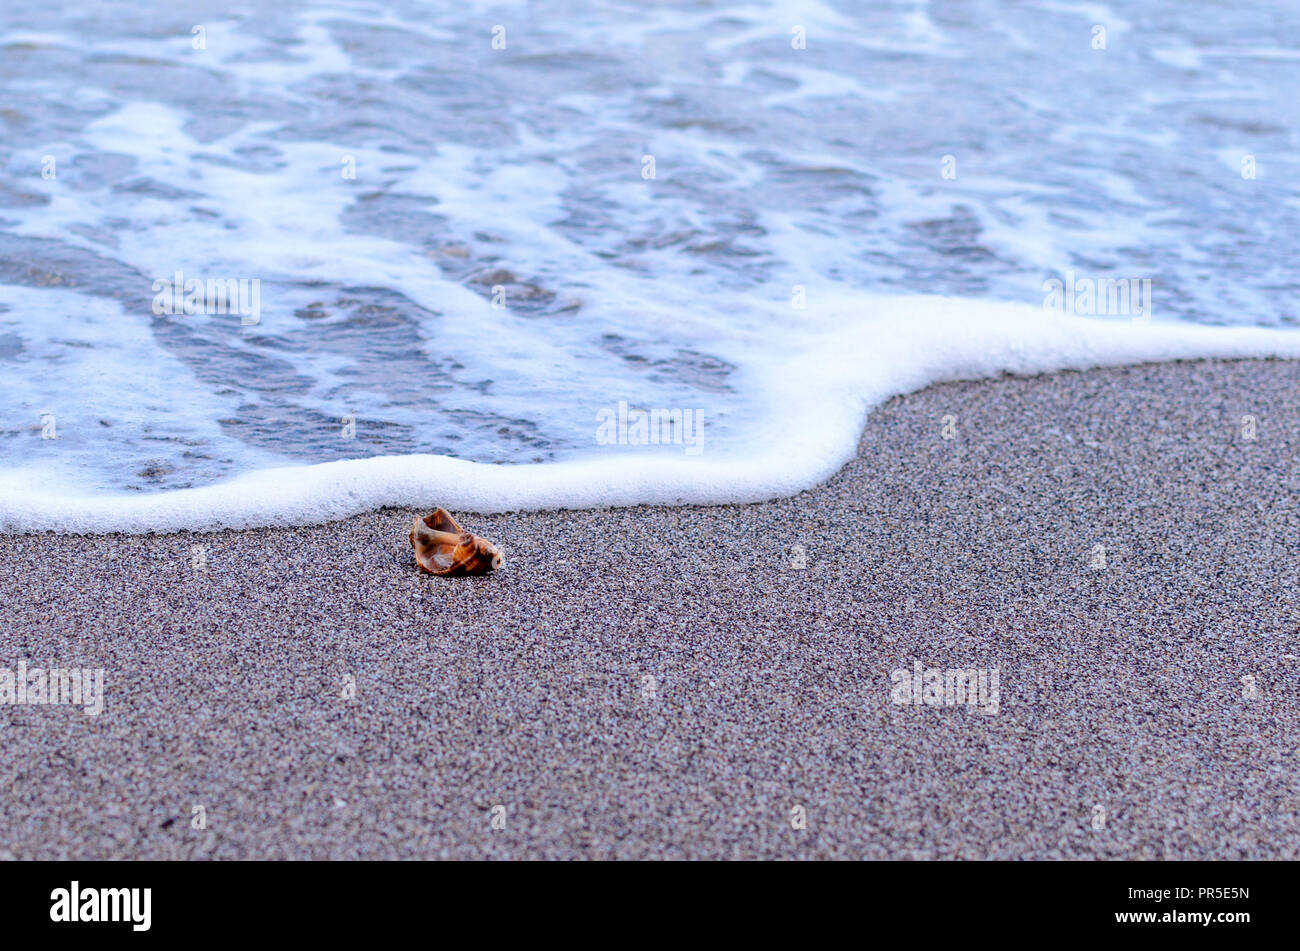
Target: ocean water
[[477, 241]]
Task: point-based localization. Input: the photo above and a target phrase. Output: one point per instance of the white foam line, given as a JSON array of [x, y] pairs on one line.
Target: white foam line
[[816, 403]]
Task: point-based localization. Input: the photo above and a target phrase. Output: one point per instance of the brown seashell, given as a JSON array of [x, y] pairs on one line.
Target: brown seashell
[[444, 548]]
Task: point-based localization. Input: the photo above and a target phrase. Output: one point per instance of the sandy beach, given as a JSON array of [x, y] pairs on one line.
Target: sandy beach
[[717, 682]]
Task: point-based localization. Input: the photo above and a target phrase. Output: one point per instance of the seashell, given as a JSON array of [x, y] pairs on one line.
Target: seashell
[[444, 548]]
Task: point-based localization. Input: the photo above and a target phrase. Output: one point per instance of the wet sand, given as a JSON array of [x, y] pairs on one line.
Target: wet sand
[[687, 683]]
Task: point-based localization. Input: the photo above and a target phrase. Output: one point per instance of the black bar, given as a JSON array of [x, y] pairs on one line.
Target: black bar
[[332, 900]]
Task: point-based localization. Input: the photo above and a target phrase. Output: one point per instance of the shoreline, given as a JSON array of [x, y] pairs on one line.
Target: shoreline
[[668, 681], [813, 417]]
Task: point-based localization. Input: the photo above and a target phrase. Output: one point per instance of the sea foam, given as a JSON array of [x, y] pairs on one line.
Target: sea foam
[[813, 398]]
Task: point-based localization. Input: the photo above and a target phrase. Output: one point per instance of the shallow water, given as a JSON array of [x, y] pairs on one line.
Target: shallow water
[[523, 170]]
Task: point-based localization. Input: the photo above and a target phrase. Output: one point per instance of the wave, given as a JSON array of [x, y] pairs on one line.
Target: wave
[[813, 399]]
